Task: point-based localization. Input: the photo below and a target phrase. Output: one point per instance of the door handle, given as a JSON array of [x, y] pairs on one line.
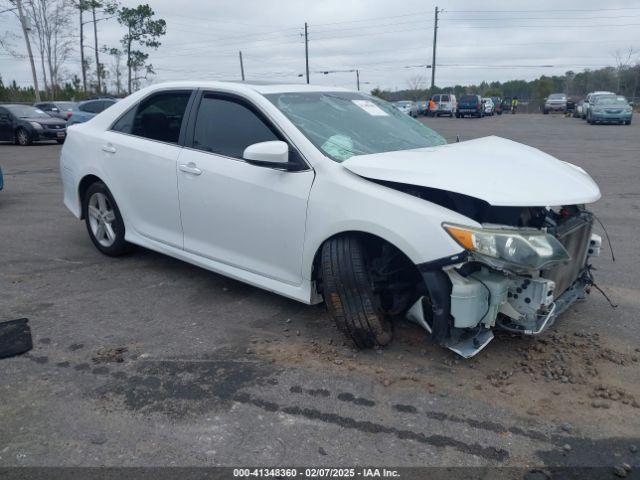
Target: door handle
[[190, 168], [109, 148]]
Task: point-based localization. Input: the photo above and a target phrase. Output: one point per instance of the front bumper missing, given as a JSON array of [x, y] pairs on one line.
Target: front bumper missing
[[463, 304], [469, 342]]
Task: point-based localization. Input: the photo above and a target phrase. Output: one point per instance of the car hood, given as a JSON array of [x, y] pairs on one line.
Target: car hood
[[499, 171], [45, 121]]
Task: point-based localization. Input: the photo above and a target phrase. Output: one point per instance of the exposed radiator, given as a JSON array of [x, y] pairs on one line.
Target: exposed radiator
[[574, 234]]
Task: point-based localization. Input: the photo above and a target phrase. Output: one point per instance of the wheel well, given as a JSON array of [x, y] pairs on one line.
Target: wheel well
[[85, 183], [392, 271]]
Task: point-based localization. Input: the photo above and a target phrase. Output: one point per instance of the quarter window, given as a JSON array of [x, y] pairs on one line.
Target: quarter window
[[158, 117], [227, 127]]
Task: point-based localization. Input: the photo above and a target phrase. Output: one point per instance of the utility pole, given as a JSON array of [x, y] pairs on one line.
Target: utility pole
[[241, 65], [435, 41], [95, 36], [358, 78], [306, 48], [25, 32]]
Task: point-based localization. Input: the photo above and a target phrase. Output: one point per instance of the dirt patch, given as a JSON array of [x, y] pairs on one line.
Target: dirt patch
[[557, 377]]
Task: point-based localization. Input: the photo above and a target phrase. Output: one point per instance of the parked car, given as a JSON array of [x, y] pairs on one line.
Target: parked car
[[88, 109], [423, 107], [470, 105], [408, 107], [497, 105], [62, 110], [587, 101], [24, 124], [610, 109], [445, 104], [506, 104], [571, 105], [488, 106], [556, 102], [320, 193]]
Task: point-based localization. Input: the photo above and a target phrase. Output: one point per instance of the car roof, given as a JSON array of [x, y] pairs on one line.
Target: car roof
[[255, 86]]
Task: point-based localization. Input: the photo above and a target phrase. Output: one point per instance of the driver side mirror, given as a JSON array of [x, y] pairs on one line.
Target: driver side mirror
[[273, 154]]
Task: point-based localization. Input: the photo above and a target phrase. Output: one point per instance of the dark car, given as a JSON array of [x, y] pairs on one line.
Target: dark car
[[62, 110], [24, 124], [497, 105], [470, 105], [506, 104]]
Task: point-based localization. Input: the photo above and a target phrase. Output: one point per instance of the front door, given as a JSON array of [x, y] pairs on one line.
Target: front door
[[6, 125], [233, 212], [141, 151]]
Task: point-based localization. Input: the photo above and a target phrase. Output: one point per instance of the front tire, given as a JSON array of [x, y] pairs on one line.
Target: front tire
[[348, 293], [23, 138], [60, 141], [104, 221]]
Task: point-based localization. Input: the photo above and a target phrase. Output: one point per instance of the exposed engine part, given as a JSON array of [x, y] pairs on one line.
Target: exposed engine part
[[595, 245]]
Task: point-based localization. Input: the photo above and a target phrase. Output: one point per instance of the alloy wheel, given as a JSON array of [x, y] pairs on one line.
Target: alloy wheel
[[101, 219], [23, 138]]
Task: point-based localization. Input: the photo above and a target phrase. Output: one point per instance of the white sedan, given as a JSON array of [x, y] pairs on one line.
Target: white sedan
[[320, 193]]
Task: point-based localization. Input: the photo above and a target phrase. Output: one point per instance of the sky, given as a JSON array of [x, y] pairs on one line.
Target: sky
[[389, 42]]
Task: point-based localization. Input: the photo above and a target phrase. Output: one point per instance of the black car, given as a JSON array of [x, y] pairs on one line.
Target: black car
[[24, 124], [470, 105]]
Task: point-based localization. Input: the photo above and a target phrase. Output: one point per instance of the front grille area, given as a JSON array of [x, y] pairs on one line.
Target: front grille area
[[574, 234]]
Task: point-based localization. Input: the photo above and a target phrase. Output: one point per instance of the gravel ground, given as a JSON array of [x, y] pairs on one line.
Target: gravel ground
[[148, 361]]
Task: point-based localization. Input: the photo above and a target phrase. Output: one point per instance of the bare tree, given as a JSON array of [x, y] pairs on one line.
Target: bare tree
[[20, 13], [624, 60], [116, 66], [415, 84], [50, 19]]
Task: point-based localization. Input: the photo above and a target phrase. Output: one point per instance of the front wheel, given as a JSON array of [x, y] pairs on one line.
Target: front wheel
[[104, 221], [23, 138], [348, 293], [60, 140]]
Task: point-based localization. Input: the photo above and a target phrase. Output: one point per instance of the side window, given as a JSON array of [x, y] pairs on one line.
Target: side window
[[158, 117], [227, 127]]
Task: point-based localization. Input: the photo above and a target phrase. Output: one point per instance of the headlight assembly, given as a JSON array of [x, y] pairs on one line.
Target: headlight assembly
[[36, 125], [528, 248]]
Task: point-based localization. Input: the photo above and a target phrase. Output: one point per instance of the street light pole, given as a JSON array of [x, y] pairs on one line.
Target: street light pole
[[306, 48], [241, 65]]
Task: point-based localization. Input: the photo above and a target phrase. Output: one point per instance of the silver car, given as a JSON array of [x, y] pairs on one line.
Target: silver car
[[556, 102], [408, 107]]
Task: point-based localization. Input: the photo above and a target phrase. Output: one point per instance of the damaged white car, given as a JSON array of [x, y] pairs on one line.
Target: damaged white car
[[321, 193]]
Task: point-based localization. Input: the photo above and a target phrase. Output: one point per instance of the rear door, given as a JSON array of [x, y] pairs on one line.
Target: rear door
[[141, 151], [233, 212]]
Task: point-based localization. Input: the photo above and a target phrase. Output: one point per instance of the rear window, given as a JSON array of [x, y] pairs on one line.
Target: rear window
[[444, 98], [468, 98]]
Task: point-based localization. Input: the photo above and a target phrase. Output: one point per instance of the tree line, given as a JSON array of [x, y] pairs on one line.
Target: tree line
[[623, 79], [55, 31]]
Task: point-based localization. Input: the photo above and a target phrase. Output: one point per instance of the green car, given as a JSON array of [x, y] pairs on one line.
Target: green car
[[610, 109]]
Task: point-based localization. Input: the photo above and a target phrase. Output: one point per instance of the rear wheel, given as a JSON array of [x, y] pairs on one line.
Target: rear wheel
[[348, 293], [23, 138], [103, 220]]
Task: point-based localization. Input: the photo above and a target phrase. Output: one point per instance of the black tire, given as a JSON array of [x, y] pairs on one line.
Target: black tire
[[546, 112], [60, 140], [119, 246], [23, 138], [348, 293], [457, 115]]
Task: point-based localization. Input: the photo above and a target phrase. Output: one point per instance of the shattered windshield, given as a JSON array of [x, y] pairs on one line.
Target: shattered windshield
[[344, 124]]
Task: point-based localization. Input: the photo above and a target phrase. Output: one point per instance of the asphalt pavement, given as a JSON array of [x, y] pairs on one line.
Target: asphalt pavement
[[146, 361]]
